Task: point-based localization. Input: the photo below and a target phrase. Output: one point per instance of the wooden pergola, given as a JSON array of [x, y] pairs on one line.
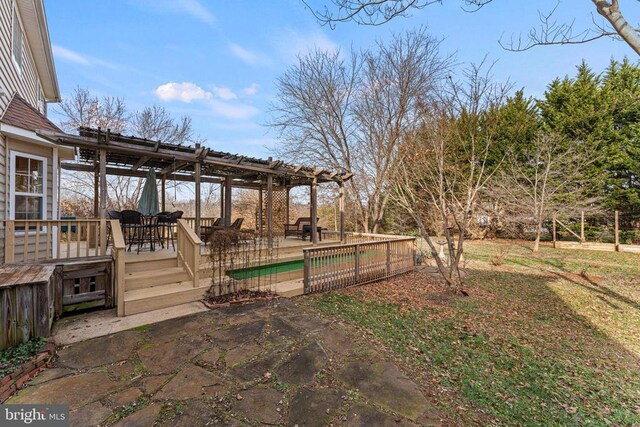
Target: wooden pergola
[[104, 153]]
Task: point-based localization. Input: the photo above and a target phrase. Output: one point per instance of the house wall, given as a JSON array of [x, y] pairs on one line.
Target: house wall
[[25, 83], [47, 152]]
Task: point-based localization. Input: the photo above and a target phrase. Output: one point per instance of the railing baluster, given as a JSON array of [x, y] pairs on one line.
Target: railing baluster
[[37, 243], [25, 243]]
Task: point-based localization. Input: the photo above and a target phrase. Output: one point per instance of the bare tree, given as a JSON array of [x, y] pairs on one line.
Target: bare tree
[[155, 123], [354, 113], [84, 109], [550, 31], [444, 168], [544, 177]]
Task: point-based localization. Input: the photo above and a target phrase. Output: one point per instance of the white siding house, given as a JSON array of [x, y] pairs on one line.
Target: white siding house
[[29, 165]]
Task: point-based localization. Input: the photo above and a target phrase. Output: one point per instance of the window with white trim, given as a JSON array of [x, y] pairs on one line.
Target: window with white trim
[[28, 186], [16, 40]]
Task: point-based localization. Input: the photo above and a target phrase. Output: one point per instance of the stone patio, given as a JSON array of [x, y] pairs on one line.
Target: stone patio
[[267, 363]]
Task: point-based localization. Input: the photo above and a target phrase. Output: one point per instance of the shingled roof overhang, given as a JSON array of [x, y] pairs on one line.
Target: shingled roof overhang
[[132, 156]]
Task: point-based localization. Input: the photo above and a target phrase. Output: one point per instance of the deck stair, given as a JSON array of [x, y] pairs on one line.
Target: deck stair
[[154, 284]]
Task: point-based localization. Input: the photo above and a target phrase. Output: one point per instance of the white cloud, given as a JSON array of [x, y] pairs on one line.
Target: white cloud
[[224, 93], [251, 90], [193, 8], [197, 10], [220, 101], [291, 43], [79, 58], [185, 92], [249, 57], [233, 111], [70, 55]]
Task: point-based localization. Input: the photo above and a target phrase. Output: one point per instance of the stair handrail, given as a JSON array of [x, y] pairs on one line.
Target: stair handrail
[[118, 252], [189, 250]]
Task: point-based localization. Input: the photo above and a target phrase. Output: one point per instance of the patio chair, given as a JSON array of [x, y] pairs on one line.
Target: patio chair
[[297, 229], [234, 226], [131, 223], [167, 224], [206, 230]]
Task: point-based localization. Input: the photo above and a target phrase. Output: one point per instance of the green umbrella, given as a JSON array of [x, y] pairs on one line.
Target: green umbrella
[[148, 203]]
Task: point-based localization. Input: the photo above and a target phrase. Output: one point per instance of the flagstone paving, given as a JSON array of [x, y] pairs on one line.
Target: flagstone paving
[[267, 363]]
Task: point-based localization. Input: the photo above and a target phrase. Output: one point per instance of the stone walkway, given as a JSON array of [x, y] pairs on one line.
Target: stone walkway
[[273, 363]]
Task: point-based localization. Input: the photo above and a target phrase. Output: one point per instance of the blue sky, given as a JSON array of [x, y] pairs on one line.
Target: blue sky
[[217, 61]]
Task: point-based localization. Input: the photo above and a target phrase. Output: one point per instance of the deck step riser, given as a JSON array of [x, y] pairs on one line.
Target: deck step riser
[[159, 278], [164, 300], [155, 265]]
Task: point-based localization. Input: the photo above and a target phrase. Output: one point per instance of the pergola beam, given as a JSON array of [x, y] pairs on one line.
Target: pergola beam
[[174, 167]]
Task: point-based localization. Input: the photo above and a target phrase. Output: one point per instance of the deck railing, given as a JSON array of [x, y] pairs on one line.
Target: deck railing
[[338, 266], [118, 251], [204, 222], [33, 241], [188, 244]]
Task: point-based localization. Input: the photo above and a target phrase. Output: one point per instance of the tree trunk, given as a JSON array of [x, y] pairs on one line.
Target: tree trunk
[[611, 12], [536, 243]]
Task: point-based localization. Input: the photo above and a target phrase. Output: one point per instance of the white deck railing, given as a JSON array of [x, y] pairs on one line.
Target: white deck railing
[[29, 241]]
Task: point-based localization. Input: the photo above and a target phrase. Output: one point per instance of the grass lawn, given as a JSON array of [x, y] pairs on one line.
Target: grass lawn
[[544, 339]]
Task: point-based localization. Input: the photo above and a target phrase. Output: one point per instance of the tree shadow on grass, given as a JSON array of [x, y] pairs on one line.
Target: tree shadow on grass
[[514, 350]]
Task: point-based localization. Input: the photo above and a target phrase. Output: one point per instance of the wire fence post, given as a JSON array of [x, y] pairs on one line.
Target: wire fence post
[[617, 231], [554, 232], [582, 227]]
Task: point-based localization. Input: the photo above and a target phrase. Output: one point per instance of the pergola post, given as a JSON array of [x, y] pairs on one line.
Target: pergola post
[[96, 191], [286, 206], [221, 200], [163, 197], [314, 210], [341, 207], [270, 210], [260, 213], [227, 201], [198, 172], [103, 199]]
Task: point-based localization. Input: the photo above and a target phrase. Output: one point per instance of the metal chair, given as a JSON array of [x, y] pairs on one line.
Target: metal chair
[[131, 223], [168, 221]]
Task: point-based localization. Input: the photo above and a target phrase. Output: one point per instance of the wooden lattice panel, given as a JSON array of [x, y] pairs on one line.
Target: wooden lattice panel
[[279, 211]]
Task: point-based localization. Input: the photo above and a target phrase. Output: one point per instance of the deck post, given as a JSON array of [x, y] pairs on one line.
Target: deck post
[[221, 199], [9, 242], [198, 172], [617, 231], [270, 210], [260, 211], [163, 199], [341, 203], [227, 201], [314, 210], [103, 198]]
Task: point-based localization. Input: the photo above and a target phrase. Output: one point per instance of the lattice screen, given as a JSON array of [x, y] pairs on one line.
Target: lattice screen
[[279, 211]]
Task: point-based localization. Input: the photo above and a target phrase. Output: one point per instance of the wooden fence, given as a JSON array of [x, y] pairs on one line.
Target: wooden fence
[[34, 241], [606, 235], [338, 266]]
